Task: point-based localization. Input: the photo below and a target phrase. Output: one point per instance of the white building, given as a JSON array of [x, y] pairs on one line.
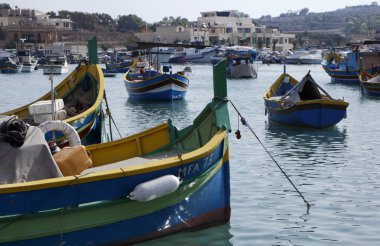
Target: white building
[[230, 26], [67, 49], [267, 37], [221, 27], [173, 34]]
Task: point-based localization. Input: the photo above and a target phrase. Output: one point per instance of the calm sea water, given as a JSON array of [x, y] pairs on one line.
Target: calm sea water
[[337, 169]]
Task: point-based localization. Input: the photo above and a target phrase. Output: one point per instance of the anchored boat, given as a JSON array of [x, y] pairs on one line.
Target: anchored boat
[[303, 103], [346, 69], [78, 102], [370, 83], [151, 184], [145, 83]]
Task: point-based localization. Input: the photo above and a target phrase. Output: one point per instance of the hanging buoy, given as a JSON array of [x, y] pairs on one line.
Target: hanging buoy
[[238, 135], [155, 188]]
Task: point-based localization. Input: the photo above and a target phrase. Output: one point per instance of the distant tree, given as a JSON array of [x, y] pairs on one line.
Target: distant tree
[[5, 6], [104, 19], [260, 43], [52, 14], [274, 42], [130, 23], [303, 11], [82, 20], [294, 42], [174, 21]]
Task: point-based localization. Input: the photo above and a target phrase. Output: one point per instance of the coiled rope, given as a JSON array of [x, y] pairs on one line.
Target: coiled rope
[[13, 131], [245, 123]]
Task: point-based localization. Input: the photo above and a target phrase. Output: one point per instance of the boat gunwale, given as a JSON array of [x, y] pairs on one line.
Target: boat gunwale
[[66, 80], [155, 165]]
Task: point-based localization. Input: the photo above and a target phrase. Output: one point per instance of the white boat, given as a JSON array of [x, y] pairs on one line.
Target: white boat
[[200, 55], [305, 57], [162, 54], [240, 62], [27, 60], [56, 64], [177, 57]]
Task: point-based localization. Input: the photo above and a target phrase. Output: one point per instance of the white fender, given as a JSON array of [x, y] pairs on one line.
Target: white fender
[[155, 188], [69, 131]]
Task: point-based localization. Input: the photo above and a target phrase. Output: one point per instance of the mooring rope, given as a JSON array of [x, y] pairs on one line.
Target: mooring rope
[[108, 112], [245, 123]]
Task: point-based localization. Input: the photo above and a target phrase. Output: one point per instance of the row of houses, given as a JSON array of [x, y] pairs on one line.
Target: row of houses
[[221, 27], [212, 27], [31, 26]]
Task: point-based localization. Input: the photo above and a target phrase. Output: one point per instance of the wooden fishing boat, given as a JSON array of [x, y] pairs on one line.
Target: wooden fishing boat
[[370, 83], [10, 65], [155, 183], [119, 67], [303, 103], [81, 94], [346, 70], [145, 83], [108, 73]]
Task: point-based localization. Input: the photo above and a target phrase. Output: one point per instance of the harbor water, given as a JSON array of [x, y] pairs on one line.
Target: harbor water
[[336, 169]]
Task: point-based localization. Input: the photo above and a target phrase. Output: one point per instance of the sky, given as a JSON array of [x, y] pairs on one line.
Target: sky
[[154, 11]]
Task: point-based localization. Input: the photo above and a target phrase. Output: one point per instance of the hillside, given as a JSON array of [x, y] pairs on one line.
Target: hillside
[[349, 20]]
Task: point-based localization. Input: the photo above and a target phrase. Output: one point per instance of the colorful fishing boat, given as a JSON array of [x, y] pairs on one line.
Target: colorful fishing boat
[[303, 103], [108, 73], [78, 101], [151, 184], [119, 67], [346, 69], [370, 83], [145, 83], [10, 65]]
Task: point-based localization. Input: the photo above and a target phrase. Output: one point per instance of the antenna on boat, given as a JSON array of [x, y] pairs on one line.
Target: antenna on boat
[[284, 68]]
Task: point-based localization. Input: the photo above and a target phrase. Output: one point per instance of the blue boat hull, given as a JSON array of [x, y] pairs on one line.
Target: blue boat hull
[[185, 215], [161, 87], [346, 76], [339, 76], [9, 69], [314, 115], [374, 92]]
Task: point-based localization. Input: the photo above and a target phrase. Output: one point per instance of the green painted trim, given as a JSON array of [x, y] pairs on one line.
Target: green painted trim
[[92, 45], [220, 79], [55, 222]]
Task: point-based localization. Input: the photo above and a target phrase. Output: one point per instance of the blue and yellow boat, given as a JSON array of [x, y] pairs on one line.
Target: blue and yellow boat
[[145, 83], [346, 69], [10, 65], [82, 93], [151, 184], [370, 83], [303, 103]]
